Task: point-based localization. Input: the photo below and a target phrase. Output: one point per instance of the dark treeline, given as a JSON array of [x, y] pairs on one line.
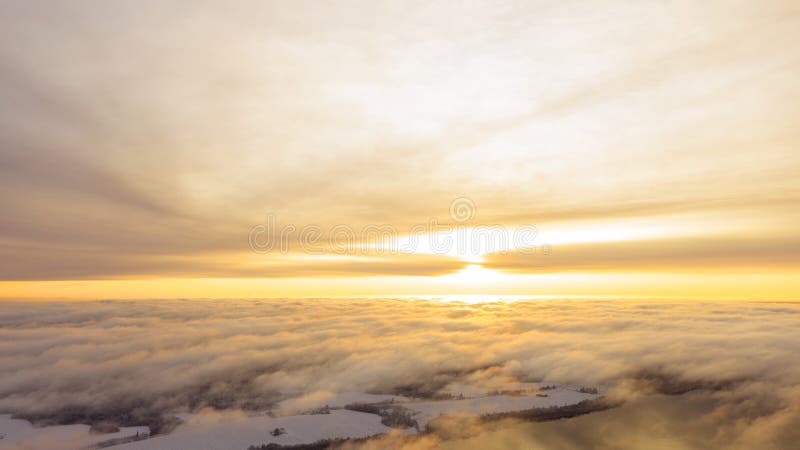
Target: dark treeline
[[545, 414], [393, 416]]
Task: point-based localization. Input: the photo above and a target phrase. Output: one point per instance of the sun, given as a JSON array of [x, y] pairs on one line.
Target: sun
[[475, 274]]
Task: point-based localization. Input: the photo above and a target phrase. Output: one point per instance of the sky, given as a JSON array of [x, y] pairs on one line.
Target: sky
[[157, 149]]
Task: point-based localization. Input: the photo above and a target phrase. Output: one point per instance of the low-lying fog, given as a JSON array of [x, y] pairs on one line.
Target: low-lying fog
[[690, 374]]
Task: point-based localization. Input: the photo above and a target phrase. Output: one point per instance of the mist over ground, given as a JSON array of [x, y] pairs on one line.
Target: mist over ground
[[689, 374]]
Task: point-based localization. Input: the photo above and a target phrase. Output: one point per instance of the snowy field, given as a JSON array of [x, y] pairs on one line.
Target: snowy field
[[20, 434], [238, 434], [561, 396], [332, 400], [236, 431]]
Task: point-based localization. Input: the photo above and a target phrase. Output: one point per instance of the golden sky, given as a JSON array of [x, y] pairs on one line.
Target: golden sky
[[653, 145]]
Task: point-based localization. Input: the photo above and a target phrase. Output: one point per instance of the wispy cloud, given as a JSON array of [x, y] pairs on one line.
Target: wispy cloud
[[136, 132]]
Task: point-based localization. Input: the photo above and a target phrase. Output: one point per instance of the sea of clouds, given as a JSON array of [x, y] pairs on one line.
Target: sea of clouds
[[687, 374]]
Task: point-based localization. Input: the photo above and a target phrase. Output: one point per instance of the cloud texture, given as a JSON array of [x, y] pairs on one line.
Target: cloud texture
[[133, 134], [143, 360]]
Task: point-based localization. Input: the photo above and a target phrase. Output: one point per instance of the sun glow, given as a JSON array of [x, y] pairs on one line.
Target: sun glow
[[474, 274], [549, 137]]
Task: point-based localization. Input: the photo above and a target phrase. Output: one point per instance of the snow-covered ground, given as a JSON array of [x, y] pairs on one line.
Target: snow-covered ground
[[20, 434], [240, 433], [560, 396], [475, 402], [333, 400], [237, 431]]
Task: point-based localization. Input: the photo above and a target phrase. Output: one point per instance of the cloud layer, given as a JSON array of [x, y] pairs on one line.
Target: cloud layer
[[140, 361]]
